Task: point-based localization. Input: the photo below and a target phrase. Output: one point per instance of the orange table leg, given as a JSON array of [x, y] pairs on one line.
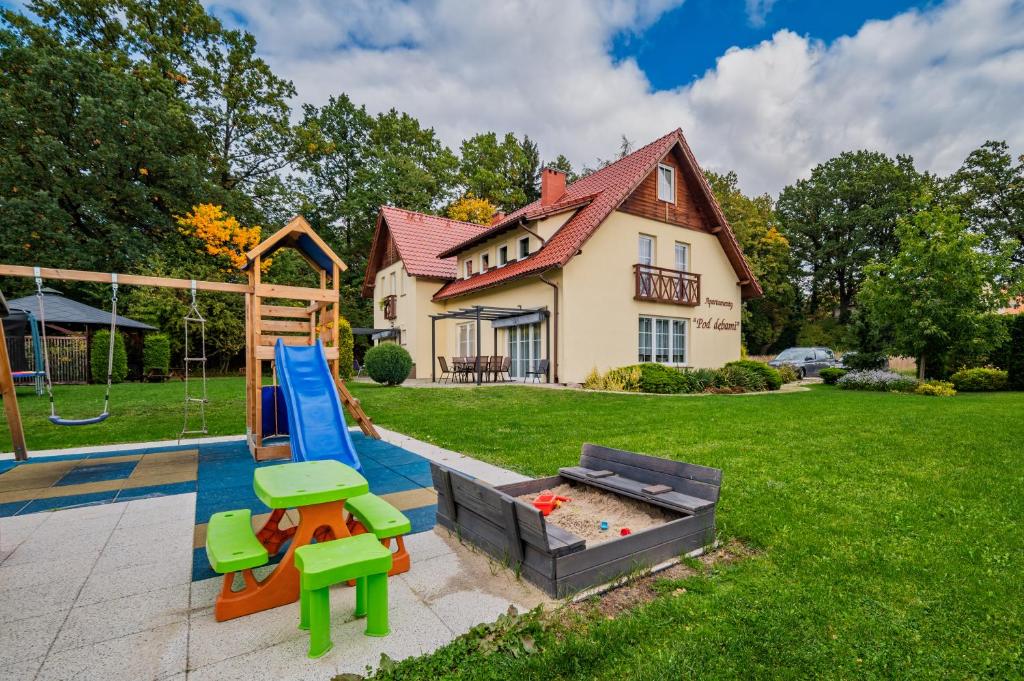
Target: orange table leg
[[271, 535], [399, 557], [281, 586]]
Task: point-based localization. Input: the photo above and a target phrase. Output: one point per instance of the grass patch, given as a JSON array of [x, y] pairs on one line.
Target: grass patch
[[887, 529], [139, 412]]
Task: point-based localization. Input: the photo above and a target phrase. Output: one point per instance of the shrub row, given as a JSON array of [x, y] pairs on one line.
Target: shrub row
[[981, 379], [876, 379], [935, 389], [735, 377], [832, 374]]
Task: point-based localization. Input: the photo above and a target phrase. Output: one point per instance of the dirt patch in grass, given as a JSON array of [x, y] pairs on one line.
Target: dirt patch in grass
[[645, 589], [589, 506]]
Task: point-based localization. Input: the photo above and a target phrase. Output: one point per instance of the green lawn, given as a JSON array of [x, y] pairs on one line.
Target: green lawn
[[139, 412], [889, 527], [891, 530]]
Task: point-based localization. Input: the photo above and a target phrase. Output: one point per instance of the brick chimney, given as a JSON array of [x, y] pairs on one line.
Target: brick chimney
[[552, 186], [497, 217]]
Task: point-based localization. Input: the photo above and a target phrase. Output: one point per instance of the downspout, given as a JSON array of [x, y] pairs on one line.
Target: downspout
[[554, 358]]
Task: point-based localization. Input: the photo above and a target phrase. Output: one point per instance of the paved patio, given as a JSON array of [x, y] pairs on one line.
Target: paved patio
[[110, 590]]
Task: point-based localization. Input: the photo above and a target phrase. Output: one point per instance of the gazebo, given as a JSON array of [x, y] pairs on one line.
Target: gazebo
[[69, 319]]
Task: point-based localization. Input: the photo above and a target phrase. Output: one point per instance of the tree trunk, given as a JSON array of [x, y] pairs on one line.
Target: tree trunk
[[920, 367]]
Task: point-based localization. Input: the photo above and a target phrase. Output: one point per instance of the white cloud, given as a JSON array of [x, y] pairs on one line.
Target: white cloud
[[758, 10], [934, 84]]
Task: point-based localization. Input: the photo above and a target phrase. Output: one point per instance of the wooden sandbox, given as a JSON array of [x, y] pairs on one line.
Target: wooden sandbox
[[556, 560]]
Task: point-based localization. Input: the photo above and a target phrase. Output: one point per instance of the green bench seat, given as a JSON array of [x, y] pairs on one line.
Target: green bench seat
[[231, 545], [378, 516], [324, 564]]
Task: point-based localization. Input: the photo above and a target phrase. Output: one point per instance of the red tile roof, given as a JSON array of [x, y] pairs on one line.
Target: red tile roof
[[419, 238], [608, 187]]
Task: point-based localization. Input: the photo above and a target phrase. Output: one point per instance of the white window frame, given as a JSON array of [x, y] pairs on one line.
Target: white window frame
[[653, 241], [502, 255], [524, 240], [393, 280], [686, 256], [649, 341], [465, 340], [672, 183]]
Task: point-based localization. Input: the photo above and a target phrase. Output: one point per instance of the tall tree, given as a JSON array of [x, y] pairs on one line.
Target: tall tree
[[988, 190], [95, 158], [757, 229], [565, 165], [241, 106], [502, 170], [936, 295], [844, 217]]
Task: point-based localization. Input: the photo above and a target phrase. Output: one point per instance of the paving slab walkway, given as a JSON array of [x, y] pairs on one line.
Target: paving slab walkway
[[106, 592]]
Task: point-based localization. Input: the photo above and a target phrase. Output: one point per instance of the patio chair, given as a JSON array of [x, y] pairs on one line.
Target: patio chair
[[445, 371], [541, 370], [506, 368], [491, 368]]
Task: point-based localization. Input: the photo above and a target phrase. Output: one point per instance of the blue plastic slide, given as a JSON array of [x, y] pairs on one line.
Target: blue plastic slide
[[316, 423]]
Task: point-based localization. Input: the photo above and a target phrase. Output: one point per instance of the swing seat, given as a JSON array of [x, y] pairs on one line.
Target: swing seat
[[58, 421]]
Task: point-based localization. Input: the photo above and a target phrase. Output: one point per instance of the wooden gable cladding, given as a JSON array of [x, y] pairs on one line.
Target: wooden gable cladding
[[390, 255], [685, 212]]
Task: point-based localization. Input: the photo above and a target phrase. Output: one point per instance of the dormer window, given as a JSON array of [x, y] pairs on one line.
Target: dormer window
[[469, 268], [502, 256], [524, 247], [485, 262], [666, 183]]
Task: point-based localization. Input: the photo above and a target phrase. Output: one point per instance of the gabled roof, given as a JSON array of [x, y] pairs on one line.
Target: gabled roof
[[61, 310], [420, 239], [607, 189], [299, 235]]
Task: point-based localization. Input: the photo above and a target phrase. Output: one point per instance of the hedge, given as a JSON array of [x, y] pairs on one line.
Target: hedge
[[156, 353], [346, 356], [388, 363], [981, 379], [831, 375], [98, 357]]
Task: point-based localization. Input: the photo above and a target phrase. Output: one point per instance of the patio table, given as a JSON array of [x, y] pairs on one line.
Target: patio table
[[318, 490]]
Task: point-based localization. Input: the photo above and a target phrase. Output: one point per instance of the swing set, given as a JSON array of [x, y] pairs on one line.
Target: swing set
[[306, 324]]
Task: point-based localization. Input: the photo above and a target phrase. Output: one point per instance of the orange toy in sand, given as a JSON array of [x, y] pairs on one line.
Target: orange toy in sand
[[546, 502]]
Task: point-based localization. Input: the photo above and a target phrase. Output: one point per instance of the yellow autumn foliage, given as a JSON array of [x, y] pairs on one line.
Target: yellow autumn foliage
[[472, 209], [222, 235]]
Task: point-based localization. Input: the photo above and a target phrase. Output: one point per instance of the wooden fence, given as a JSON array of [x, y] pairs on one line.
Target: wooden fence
[[69, 357]]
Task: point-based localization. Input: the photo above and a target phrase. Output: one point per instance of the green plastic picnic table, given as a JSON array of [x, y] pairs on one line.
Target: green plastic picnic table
[[318, 490]]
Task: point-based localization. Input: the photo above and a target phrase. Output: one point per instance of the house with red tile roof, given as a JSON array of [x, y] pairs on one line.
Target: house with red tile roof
[[632, 263]]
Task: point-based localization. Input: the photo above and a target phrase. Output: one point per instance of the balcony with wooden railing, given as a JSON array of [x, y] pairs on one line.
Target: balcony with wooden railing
[[390, 306], [662, 285]]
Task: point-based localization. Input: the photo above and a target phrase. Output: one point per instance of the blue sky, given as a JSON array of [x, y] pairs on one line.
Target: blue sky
[[686, 41], [766, 88]]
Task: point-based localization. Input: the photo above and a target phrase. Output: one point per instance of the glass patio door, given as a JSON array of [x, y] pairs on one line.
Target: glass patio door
[[523, 349]]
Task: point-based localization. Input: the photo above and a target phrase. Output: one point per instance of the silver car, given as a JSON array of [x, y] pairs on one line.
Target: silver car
[[806, 361]]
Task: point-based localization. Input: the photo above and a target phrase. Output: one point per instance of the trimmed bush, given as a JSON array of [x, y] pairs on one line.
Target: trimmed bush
[[788, 373], [658, 378], [832, 374], [865, 361], [883, 381], [981, 379], [98, 357], [743, 377], [772, 379], [388, 363], [346, 345], [935, 389], [156, 353]]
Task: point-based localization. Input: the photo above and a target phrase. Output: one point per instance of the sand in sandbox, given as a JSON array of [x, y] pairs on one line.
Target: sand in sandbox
[[589, 506]]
